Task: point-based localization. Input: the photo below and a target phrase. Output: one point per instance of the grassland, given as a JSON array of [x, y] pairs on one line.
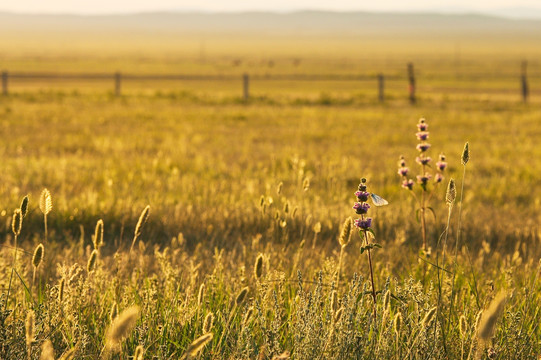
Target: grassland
[[218, 172]]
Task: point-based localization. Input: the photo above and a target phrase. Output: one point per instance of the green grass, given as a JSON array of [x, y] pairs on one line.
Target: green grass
[[203, 158]]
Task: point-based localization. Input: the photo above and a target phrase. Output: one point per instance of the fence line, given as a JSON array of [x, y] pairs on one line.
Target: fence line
[[245, 78]]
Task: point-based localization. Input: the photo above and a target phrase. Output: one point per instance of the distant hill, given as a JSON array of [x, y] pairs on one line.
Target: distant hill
[[299, 23]]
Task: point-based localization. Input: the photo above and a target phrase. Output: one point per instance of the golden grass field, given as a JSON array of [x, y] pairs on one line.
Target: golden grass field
[[229, 181]]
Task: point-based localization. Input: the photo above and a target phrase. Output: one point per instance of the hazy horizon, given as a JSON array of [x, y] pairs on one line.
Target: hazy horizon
[[505, 8]]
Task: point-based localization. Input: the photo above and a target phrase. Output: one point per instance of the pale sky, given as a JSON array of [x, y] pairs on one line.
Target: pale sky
[[130, 6]]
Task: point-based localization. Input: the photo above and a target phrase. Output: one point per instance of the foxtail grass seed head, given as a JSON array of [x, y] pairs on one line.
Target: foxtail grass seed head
[[47, 351], [201, 295], [306, 184], [308, 220], [428, 317], [91, 265], [334, 301], [197, 345], [462, 326], [338, 315], [279, 188], [61, 290], [345, 234], [450, 195], [247, 316], [142, 220], [24, 206], [98, 235], [387, 300], [30, 326], [397, 323], [466, 154], [488, 321], [208, 323], [45, 202], [17, 222], [39, 252], [317, 227], [478, 320], [241, 296], [139, 352], [258, 267], [121, 327], [114, 312]]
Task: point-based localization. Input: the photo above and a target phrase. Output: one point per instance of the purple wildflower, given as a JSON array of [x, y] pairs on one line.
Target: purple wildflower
[[362, 195], [363, 224], [403, 171], [423, 147], [423, 160], [438, 178], [361, 208], [423, 179], [422, 125], [441, 165], [422, 135], [407, 184], [401, 162]]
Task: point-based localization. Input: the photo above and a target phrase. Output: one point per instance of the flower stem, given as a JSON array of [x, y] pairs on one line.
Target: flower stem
[[456, 249], [423, 222], [371, 272]]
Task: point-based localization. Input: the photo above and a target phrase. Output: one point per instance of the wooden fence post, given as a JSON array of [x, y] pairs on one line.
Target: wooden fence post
[[117, 83], [381, 84], [246, 86], [4, 83], [524, 81], [411, 79]]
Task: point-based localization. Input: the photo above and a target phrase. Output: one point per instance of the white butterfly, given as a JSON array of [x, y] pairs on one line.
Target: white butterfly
[[378, 200]]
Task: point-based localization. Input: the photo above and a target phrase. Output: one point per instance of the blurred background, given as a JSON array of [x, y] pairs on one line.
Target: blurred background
[[114, 105], [480, 49]]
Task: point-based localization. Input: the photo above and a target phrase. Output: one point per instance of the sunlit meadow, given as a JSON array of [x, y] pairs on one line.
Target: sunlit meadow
[[179, 220]]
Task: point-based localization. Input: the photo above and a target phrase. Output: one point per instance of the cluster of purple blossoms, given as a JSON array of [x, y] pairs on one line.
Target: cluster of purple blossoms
[[361, 207], [424, 177]]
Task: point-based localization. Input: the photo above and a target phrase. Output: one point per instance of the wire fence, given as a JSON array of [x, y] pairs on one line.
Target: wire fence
[[458, 82]]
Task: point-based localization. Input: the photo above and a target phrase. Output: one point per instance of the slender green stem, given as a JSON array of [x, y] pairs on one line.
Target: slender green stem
[[226, 328], [423, 223], [423, 203], [45, 222], [13, 267], [133, 243], [33, 280], [441, 275], [456, 249]]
